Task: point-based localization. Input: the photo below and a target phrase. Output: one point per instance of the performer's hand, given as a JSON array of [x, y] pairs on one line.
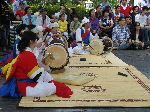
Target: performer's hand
[[46, 67]]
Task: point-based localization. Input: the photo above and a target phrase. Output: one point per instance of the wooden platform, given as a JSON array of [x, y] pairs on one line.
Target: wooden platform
[[107, 89], [106, 60]]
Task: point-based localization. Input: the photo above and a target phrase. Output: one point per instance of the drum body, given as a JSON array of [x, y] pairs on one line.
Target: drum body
[[60, 37], [56, 55]]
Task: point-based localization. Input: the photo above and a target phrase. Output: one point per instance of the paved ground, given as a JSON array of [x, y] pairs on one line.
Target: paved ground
[[138, 58]]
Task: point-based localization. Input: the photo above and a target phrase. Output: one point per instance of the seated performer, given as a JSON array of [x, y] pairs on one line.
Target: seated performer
[[84, 34], [54, 32], [9, 57], [24, 77]]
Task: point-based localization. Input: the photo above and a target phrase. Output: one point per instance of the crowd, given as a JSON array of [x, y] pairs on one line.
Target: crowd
[[128, 27], [125, 25]]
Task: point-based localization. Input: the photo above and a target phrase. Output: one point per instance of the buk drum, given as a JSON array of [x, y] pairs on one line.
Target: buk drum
[[56, 55], [96, 47], [108, 44]]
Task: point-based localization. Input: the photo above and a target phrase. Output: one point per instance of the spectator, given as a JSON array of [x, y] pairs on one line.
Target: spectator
[[94, 22], [117, 14], [137, 40], [17, 17], [143, 20], [16, 5], [104, 4], [106, 24], [98, 12], [135, 10], [120, 35], [71, 15], [110, 11], [62, 11], [4, 24], [21, 11], [75, 24], [129, 25], [63, 25], [43, 20], [28, 19], [125, 8]]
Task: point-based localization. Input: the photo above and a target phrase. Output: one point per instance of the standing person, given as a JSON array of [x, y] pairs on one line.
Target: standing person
[[104, 4], [9, 57], [4, 24], [120, 35], [125, 8], [117, 14], [94, 22], [26, 78], [21, 11], [28, 19], [106, 24], [98, 12], [43, 20], [62, 11]]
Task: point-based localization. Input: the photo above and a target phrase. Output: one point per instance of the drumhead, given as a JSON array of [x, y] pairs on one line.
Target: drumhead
[[96, 47], [56, 56]]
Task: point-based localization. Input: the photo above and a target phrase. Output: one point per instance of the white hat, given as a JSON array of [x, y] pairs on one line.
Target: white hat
[[37, 29], [85, 20], [55, 24]]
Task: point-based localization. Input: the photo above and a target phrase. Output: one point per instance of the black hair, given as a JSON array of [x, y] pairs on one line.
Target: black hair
[[117, 6], [27, 36], [26, 9], [134, 7], [90, 12], [103, 12], [19, 28], [61, 15], [16, 16], [75, 16], [144, 8], [128, 17], [98, 6], [121, 18]]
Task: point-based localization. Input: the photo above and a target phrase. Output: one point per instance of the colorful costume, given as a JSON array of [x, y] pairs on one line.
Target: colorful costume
[[24, 74]]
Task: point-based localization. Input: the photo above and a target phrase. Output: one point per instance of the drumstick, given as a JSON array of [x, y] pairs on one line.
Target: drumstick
[[91, 47]]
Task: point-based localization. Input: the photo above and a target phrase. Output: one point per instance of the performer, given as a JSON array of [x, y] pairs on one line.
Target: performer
[[25, 78], [54, 34], [83, 33]]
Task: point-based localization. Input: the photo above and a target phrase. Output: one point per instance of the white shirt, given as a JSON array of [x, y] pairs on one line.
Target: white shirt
[[141, 19], [39, 21], [78, 34]]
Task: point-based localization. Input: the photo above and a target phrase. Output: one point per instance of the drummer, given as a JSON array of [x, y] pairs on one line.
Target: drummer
[[83, 34], [54, 34]]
